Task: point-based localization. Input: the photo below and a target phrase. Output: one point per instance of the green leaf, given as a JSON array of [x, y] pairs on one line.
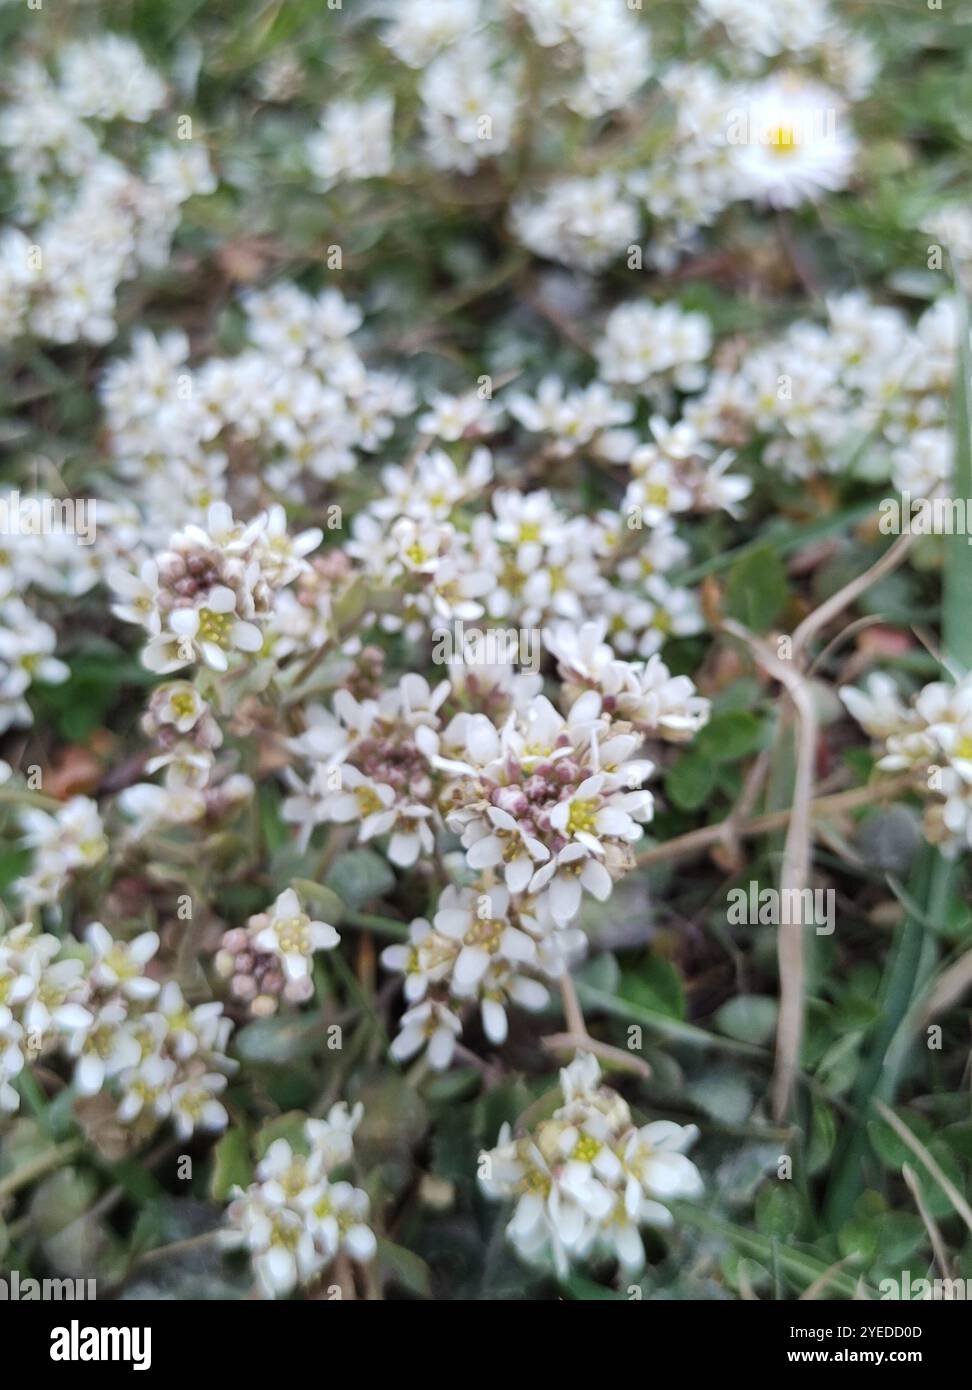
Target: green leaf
[[900, 1234], [583, 1290], [936, 1199], [823, 1136], [729, 736], [780, 1210], [749, 1017], [231, 1164], [279, 1040], [289, 1126], [858, 1239], [658, 1022], [757, 589], [320, 898], [690, 781], [456, 1084], [275, 833], [722, 1094], [360, 876], [656, 984], [889, 1146], [406, 1268], [800, 1269]]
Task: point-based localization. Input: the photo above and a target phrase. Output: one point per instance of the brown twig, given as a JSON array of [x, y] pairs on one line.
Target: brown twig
[[828, 610], [583, 1042], [697, 841], [795, 869]]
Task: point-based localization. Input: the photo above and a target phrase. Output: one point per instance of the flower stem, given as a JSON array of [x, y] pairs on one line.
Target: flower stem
[[38, 1166]]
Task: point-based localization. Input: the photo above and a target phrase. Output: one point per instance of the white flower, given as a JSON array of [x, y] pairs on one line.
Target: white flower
[[280, 1244], [207, 633], [194, 1104], [429, 1023], [478, 923], [71, 838], [147, 1089], [148, 807], [332, 1139], [179, 703], [879, 708], [795, 145], [354, 141], [290, 935], [107, 77], [58, 998], [453, 417], [643, 341], [103, 1047], [421, 28], [574, 870], [281, 555], [11, 1065], [121, 964], [293, 1219], [586, 1178], [426, 960], [336, 1215], [585, 222], [504, 841]]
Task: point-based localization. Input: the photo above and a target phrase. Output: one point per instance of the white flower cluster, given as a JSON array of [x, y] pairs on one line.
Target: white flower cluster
[[159, 1058], [605, 39], [644, 343], [584, 222], [469, 106], [296, 1218], [93, 221], [26, 655], [586, 1179], [779, 141], [483, 944], [354, 141], [804, 28], [63, 841], [526, 560], [643, 694], [41, 550], [774, 135], [273, 955], [547, 807], [931, 737], [472, 88], [298, 402], [214, 597], [866, 376], [552, 802], [210, 594]]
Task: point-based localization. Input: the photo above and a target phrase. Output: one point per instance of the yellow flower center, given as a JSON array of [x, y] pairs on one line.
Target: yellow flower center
[[581, 816], [783, 139], [586, 1149], [183, 704], [368, 800], [293, 936], [215, 627]]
